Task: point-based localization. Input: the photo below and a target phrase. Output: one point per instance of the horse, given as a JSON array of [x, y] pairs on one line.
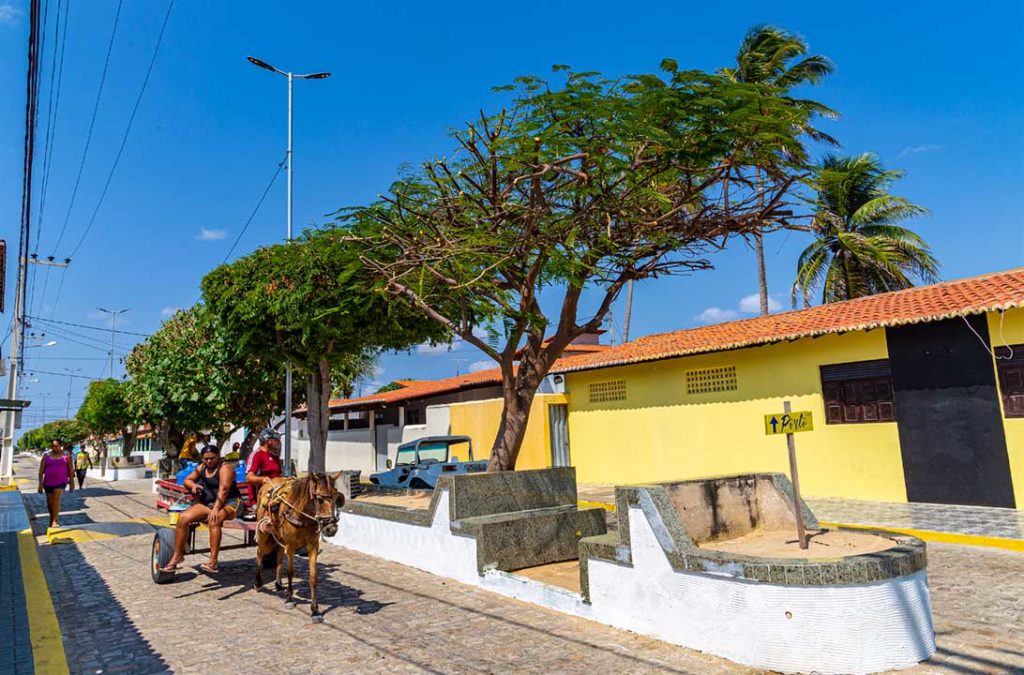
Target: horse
[[299, 511]]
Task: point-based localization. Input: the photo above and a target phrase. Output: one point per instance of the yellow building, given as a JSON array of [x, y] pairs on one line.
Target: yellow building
[[915, 395]]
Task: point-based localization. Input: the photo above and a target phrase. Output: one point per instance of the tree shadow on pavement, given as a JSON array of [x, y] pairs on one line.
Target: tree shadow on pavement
[[98, 633]]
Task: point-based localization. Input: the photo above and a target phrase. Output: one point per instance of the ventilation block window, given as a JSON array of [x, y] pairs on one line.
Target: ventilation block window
[[612, 390], [711, 380], [1010, 369], [857, 393]]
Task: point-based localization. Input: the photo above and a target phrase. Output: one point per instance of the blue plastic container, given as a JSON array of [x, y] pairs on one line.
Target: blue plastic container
[[184, 473], [191, 466]]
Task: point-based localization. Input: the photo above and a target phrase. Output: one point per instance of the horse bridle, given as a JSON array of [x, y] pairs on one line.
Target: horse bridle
[[316, 496]]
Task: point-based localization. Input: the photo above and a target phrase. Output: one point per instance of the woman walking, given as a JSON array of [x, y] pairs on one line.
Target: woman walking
[[55, 472], [83, 462]]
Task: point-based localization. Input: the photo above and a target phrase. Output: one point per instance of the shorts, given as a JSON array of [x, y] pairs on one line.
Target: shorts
[[237, 504], [50, 488]]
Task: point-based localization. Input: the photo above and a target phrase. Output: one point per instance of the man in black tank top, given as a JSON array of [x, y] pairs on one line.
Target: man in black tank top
[[217, 499]]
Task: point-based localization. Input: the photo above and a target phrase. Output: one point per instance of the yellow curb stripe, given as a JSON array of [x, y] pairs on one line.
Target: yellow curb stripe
[[44, 631], [584, 504], [942, 537]]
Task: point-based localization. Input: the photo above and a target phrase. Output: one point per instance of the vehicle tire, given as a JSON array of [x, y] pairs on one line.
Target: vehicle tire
[[419, 484], [163, 549]]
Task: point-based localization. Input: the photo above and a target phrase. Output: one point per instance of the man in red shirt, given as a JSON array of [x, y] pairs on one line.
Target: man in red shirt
[[265, 464]]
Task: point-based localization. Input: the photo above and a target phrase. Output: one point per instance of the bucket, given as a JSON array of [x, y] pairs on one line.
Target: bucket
[[174, 512]]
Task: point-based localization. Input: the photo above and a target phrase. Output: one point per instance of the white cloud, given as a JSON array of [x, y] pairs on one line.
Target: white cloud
[[9, 14], [429, 349], [477, 366], [919, 149], [751, 304], [716, 315], [168, 311], [457, 344], [211, 235]]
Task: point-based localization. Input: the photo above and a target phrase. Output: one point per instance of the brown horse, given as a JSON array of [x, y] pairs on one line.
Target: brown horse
[[299, 511]]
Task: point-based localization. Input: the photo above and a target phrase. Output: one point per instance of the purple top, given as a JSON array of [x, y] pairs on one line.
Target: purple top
[[55, 471]]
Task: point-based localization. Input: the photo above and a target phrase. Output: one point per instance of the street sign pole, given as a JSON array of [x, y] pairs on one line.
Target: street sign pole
[[797, 502]]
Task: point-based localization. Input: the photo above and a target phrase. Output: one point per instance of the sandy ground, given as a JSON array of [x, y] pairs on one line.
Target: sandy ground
[[562, 574], [783, 544], [418, 500]]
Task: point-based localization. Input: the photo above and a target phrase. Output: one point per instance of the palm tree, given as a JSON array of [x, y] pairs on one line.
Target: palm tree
[[766, 57], [357, 367], [860, 249]]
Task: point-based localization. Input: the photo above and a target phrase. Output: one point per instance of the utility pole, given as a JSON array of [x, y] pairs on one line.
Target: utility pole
[[25, 238], [113, 320], [288, 367], [71, 377]]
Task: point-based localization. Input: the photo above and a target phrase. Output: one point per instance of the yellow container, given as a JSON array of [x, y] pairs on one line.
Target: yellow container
[[173, 517]]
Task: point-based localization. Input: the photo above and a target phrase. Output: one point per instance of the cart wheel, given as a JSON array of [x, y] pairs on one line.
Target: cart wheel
[[163, 549]]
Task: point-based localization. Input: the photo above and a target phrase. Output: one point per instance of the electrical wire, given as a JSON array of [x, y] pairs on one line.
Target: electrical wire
[[82, 325], [92, 125], [53, 109], [258, 205], [124, 140]]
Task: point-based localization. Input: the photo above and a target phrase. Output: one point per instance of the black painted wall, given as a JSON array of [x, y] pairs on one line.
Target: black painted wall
[[947, 412]]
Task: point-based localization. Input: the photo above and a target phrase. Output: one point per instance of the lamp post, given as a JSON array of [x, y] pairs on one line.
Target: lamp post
[[113, 319], [71, 377], [288, 367]]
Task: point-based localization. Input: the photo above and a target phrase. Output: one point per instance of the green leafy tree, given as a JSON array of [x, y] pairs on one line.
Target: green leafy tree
[[68, 431], [309, 302], [775, 60], [105, 412], [860, 248], [578, 188], [188, 376], [390, 386]]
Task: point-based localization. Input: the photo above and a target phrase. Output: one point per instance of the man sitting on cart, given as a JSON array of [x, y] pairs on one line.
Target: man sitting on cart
[[217, 499]]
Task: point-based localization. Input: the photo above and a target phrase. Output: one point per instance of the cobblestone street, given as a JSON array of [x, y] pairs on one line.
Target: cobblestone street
[[383, 617]]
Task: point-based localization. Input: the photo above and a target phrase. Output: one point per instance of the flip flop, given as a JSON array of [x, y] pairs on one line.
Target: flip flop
[[208, 569], [168, 569]]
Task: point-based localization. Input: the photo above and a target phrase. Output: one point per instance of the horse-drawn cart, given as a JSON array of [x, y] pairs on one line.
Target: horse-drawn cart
[[174, 499]]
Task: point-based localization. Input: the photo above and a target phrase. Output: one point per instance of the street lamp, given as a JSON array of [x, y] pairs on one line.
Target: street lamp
[[288, 367], [71, 376], [113, 319]]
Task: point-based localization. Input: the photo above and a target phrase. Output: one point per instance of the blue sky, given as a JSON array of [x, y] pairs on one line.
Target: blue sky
[[931, 88]]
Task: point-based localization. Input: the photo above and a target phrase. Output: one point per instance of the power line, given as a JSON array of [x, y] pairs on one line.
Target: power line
[[50, 372], [92, 124], [131, 120], [53, 109], [258, 205], [82, 325]]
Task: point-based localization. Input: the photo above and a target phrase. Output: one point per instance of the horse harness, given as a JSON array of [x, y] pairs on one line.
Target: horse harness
[[278, 497]]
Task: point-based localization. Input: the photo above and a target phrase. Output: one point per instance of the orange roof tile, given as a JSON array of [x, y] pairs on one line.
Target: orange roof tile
[[421, 388], [975, 295]]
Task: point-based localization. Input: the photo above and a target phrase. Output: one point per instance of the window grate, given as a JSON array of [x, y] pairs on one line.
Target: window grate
[[711, 380], [612, 390]]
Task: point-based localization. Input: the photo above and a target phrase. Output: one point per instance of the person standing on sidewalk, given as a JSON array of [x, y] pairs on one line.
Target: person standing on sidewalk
[[82, 464], [55, 472]]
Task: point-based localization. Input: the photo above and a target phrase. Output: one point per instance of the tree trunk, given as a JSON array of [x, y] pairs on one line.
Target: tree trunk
[[101, 445], [629, 311], [519, 391], [318, 415], [128, 436], [762, 279]]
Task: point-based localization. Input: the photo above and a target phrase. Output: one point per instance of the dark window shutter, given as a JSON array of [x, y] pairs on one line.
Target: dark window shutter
[[858, 392], [1011, 379]]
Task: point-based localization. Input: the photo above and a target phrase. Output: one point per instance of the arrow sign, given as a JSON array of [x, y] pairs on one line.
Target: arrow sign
[[788, 423]]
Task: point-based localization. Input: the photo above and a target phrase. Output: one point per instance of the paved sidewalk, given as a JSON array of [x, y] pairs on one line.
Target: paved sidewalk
[[979, 521], [15, 639]]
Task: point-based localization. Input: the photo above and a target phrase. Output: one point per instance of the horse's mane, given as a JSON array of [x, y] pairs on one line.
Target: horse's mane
[[300, 492]]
